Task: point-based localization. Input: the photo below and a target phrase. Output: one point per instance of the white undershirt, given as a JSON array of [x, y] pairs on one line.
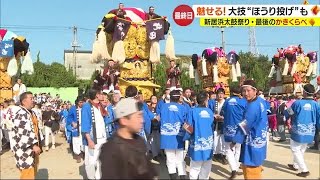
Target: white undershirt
[[220, 104], [100, 125]]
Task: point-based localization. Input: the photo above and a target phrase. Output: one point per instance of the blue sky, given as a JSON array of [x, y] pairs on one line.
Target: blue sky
[[45, 25]]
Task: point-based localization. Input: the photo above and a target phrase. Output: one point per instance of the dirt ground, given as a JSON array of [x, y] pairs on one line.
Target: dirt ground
[[59, 164]]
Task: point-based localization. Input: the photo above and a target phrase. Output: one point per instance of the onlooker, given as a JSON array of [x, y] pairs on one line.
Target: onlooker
[[18, 89], [281, 119], [48, 118]]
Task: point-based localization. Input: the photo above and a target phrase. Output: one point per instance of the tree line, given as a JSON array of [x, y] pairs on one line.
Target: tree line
[[56, 75]]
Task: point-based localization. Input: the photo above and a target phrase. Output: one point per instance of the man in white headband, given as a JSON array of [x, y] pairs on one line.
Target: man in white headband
[[254, 128], [305, 116]]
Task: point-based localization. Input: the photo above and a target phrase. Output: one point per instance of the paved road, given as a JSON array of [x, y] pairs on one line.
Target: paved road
[[58, 164]]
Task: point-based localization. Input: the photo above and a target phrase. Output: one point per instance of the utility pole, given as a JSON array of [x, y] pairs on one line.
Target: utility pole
[[252, 41], [223, 43], [75, 46]]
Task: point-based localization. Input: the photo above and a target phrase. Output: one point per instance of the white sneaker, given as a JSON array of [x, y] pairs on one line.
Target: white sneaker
[[53, 147], [47, 148]]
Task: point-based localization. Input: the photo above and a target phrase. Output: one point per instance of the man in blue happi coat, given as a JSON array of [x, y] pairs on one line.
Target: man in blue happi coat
[[172, 117], [165, 99], [93, 129], [64, 115], [254, 127], [305, 116], [110, 117], [74, 125], [200, 133], [233, 111]]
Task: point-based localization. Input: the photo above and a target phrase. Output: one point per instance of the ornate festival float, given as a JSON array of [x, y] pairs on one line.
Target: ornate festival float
[[15, 59], [291, 69], [214, 68], [127, 41]]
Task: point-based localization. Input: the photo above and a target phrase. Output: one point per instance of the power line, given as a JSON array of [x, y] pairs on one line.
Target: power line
[[235, 44], [28, 26], [67, 28]]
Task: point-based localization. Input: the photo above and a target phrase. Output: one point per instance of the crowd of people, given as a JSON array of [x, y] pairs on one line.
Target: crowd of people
[[45, 106], [120, 137]]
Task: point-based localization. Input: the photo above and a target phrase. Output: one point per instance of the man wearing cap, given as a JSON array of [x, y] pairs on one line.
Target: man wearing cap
[[48, 116], [201, 138], [254, 128], [74, 125], [110, 75], [233, 111], [124, 155], [172, 117], [305, 116], [93, 129], [148, 116], [151, 15]]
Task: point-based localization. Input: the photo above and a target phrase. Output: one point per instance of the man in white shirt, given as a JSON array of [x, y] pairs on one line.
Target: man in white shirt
[[18, 89]]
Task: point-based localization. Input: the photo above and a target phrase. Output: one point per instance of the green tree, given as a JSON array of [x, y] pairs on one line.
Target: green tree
[[256, 67], [159, 74], [53, 75]]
